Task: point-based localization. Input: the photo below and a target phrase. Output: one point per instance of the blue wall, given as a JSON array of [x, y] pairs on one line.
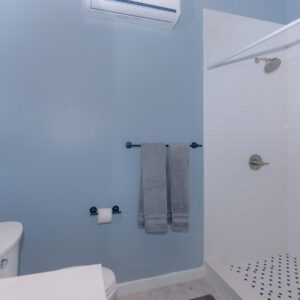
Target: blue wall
[[72, 93], [293, 10]]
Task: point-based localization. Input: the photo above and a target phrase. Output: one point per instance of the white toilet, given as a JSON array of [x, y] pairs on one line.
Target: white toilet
[[110, 283], [10, 236]]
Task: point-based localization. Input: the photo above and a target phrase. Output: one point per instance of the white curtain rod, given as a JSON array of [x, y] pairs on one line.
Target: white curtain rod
[[253, 45]]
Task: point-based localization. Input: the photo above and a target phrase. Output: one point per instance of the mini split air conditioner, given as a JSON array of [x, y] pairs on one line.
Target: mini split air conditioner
[[158, 13]]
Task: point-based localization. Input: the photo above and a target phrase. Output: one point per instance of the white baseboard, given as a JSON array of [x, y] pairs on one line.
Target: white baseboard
[[142, 285]]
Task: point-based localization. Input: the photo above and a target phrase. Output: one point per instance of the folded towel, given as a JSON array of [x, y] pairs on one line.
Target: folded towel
[[178, 173], [153, 189]]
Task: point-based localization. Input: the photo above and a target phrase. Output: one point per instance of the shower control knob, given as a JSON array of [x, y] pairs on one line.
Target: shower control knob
[[256, 162]]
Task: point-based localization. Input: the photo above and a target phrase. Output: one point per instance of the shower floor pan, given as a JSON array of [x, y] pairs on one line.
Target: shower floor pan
[[269, 278]]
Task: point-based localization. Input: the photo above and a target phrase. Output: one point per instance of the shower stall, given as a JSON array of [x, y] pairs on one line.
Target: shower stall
[[252, 157]]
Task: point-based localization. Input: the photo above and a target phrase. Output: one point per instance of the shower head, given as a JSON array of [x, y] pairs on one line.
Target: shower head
[[272, 64]]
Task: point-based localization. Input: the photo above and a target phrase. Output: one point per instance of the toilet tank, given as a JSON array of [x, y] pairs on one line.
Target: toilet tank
[[10, 236]]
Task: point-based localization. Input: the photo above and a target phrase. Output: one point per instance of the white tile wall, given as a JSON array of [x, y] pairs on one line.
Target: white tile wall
[[293, 145], [245, 113]]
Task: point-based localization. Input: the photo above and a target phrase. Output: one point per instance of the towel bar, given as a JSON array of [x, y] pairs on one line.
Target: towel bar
[[129, 145]]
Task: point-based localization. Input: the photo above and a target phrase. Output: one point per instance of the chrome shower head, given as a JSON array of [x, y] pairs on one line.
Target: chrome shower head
[[272, 64]]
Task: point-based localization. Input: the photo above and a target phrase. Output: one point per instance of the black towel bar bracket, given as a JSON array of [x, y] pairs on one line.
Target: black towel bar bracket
[[129, 145]]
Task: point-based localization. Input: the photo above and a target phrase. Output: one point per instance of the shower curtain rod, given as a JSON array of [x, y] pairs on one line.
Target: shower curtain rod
[[227, 59]]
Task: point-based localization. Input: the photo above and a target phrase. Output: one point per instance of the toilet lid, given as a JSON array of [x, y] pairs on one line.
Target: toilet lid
[[109, 281]]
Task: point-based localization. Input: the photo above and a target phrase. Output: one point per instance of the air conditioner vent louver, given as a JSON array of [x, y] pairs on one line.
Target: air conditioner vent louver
[[158, 13]]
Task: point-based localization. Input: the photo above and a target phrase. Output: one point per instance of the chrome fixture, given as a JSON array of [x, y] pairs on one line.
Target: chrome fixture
[[256, 162], [271, 64]]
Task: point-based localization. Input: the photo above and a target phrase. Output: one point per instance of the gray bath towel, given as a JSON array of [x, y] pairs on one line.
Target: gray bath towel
[[178, 173], [153, 190]]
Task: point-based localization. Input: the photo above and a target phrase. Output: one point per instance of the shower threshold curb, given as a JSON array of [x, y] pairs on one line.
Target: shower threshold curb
[[227, 283]]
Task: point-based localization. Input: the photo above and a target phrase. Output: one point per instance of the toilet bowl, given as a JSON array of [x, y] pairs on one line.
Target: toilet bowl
[[10, 235], [110, 283]]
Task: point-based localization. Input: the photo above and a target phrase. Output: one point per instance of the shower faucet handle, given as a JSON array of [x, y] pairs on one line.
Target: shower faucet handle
[[256, 162]]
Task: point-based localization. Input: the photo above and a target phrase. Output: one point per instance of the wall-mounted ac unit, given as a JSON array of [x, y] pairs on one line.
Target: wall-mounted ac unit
[[158, 13]]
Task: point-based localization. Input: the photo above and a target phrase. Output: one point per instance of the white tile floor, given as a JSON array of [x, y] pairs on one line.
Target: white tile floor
[[274, 277], [182, 291]]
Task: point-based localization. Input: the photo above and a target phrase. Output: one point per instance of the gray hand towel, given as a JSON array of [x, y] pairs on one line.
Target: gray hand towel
[[153, 189], [178, 171]]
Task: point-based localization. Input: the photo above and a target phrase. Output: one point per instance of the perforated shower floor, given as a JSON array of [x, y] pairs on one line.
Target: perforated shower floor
[[275, 277]]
